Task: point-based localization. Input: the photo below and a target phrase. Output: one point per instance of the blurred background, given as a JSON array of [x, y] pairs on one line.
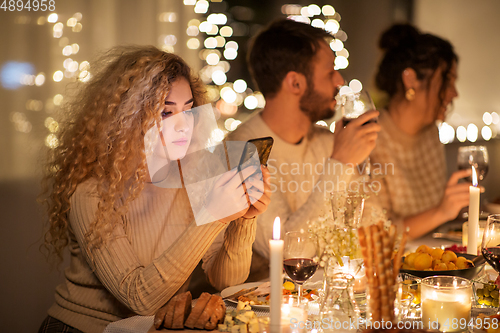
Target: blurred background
[[41, 52]]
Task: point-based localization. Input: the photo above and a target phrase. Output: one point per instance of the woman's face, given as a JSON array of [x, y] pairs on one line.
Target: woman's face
[[432, 100], [450, 92], [177, 121]]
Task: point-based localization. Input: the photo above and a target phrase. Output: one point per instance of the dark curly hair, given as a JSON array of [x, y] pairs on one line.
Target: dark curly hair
[[102, 137], [406, 47]]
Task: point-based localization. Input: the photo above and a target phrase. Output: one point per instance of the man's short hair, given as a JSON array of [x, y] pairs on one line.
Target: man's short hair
[[284, 46]]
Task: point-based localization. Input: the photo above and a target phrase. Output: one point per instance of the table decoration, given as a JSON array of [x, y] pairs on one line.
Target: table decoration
[[276, 277], [294, 312], [446, 303], [473, 231]]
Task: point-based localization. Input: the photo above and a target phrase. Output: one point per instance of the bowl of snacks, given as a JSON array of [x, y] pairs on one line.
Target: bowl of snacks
[[426, 261]]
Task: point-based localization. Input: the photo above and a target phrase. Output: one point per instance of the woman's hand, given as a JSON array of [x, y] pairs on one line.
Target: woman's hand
[[456, 196], [229, 197], [259, 193]]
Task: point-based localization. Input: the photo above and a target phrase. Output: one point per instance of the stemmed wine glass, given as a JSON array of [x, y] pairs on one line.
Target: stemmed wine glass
[[490, 246], [476, 156], [353, 101], [299, 252]]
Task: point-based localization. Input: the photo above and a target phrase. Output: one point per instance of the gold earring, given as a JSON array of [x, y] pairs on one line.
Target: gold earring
[[410, 94]]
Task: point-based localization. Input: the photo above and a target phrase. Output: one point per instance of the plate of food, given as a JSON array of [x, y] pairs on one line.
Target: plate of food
[[257, 293], [426, 261]]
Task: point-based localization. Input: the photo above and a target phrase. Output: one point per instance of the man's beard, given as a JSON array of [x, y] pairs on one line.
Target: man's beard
[[316, 106]]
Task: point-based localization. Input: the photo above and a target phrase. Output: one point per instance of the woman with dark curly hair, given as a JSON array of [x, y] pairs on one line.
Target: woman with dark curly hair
[[418, 72], [134, 245]]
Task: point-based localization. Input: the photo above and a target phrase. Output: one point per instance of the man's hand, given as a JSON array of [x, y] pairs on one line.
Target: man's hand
[[354, 143]]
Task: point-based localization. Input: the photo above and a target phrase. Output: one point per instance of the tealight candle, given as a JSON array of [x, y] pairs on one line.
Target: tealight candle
[[446, 303], [473, 233], [276, 277], [293, 314]]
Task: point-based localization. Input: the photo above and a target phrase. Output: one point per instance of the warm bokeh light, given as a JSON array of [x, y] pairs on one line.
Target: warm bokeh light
[[250, 102], [332, 127], [332, 26], [226, 31], [328, 10], [318, 23], [495, 119], [212, 59], [210, 43], [446, 133], [219, 77], [40, 79], [322, 123], [461, 133], [355, 85], [193, 43], [472, 132], [487, 119], [486, 133], [341, 62], [228, 95], [51, 141], [230, 54], [57, 100], [58, 76], [336, 45], [52, 18], [240, 86]]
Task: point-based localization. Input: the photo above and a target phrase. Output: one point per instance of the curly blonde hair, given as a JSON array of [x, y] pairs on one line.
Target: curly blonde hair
[[102, 137]]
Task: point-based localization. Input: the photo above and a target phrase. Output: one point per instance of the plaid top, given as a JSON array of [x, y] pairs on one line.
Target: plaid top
[[414, 169]]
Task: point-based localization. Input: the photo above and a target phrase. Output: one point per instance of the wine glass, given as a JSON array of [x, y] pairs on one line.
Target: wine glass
[[299, 252], [353, 101], [490, 246], [476, 156]]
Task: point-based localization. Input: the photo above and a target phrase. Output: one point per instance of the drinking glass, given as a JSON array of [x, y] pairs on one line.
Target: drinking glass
[[490, 246], [354, 101], [476, 156], [298, 253]]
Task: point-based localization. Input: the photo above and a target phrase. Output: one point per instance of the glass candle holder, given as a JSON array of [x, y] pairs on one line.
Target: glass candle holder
[[294, 313], [446, 303]]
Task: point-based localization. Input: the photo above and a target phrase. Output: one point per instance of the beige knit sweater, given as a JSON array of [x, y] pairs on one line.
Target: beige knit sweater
[[147, 260]]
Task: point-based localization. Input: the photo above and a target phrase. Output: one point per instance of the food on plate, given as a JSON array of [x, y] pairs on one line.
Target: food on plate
[[413, 287], [434, 259], [488, 294], [241, 320], [260, 296], [178, 313], [490, 324]]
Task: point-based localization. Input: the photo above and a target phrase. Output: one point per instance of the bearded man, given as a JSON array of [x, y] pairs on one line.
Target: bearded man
[[293, 66]]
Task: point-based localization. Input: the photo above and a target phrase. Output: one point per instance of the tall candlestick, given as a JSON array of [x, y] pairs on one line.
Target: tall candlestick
[[473, 232], [276, 277]]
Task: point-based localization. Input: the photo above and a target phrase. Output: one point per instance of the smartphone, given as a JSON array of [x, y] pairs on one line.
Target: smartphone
[[263, 147]]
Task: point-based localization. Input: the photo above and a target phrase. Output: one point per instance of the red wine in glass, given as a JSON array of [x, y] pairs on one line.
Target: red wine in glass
[[476, 156], [492, 256], [300, 269]]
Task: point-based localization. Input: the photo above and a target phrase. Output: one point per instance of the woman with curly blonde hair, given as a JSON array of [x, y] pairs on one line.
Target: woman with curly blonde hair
[[133, 245]]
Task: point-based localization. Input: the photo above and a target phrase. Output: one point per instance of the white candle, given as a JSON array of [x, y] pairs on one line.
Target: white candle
[[473, 232], [446, 308], [276, 277]]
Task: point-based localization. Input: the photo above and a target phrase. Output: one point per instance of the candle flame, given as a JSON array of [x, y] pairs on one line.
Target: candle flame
[[276, 228], [474, 177]]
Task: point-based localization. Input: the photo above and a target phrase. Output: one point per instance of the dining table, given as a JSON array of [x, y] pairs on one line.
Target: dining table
[[436, 238]]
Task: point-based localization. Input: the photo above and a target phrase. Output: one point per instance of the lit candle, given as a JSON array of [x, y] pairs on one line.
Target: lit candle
[[473, 232], [276, 277], [445, 301]]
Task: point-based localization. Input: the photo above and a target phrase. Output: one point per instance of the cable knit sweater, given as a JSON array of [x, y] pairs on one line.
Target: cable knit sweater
[[148, 259]]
